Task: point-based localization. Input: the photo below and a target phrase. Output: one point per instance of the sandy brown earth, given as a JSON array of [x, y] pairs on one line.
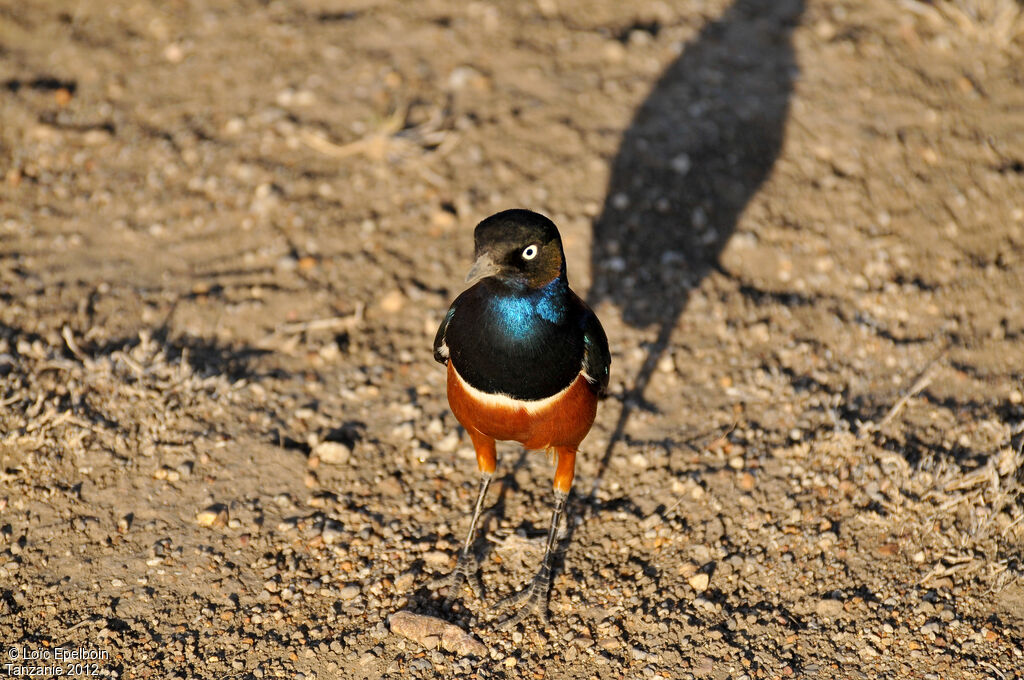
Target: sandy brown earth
[[228, 231]]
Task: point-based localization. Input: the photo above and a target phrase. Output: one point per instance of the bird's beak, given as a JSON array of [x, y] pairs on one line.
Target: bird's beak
[[483, 267]]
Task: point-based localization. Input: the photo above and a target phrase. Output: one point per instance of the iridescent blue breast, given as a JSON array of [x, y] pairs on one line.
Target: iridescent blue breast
[[524, 343]]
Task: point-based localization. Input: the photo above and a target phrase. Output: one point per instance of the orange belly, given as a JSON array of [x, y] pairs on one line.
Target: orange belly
[[561, 421]]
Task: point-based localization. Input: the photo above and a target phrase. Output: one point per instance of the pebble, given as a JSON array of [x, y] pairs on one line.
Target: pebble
[[639, 461], [332, 532], [704, 666], [349, 592], [215, 515], [682, 164], [829, 608], [390, 486], [420, 664], [583, 642], [699, 581], [714, 531], [436, 557], [392, 302], [448, 444], [404, 582], [430, 631], [666, 364], [332, 453]]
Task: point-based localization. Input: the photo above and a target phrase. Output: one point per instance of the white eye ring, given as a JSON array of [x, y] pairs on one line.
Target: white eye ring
[[530, 252]]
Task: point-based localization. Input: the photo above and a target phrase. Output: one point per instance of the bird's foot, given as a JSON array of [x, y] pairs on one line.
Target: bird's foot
[[533, 599], [466, 572]]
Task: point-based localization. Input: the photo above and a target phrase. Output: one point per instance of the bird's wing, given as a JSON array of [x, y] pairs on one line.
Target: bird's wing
[[440, 346], [597, 359]]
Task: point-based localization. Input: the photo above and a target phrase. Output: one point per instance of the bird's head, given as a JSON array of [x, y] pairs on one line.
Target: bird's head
[[518, 247]]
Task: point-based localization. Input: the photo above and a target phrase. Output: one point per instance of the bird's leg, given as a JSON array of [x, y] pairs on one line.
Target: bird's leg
[[467, 568], [533, 599]]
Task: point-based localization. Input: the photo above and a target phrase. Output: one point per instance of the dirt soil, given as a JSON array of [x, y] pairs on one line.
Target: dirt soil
[[229, 230]]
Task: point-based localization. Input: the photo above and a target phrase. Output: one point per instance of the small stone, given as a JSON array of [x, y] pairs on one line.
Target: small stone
[[699, 581], [583, 641], [829, 608], [332, 453], [404, 582], [682, 163], [666, 364], [420, 664], [448, 444], [390, 486], [704, 666], [736, 462], [431, 631], [639, 461], [349, 592], [436, 557], [173, 53], [392, 302], [747, 481], [215, 515], [332, 532]]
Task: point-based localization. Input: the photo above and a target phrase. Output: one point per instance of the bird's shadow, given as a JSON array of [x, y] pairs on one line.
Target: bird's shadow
[[695, 153]]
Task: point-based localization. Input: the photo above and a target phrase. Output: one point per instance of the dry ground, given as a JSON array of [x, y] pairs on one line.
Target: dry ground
[[228, 231]]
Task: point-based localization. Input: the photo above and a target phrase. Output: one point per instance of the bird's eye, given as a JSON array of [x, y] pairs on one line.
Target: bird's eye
[[530, 252]]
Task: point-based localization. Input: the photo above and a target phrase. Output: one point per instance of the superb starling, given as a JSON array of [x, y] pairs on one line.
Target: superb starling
[[527, 361]]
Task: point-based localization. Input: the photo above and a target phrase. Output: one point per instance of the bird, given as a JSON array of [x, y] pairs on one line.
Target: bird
[[527, 361]]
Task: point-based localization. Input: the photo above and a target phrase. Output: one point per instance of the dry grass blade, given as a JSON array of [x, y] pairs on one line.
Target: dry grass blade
[[923, 380], [393, 138], [375, 145]]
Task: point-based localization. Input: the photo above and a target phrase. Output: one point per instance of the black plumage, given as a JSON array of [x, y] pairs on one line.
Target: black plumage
[[516, 332]]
